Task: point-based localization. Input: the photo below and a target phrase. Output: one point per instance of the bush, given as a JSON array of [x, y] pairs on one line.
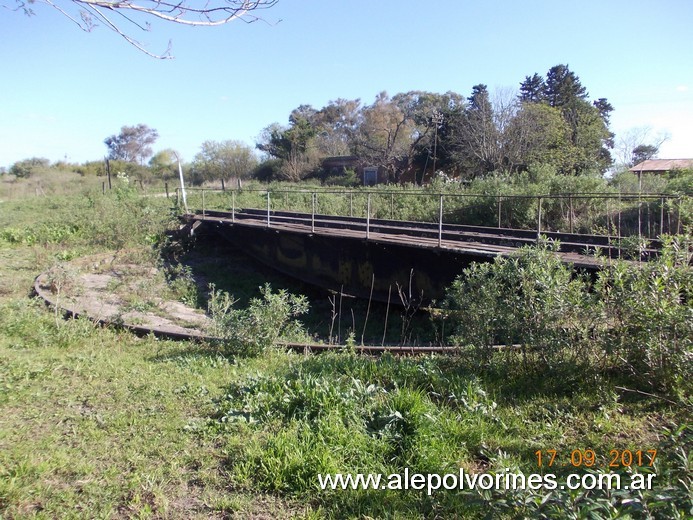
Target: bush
[[251, 331], [28, 167], [531, 300], [648, 318], [636, 320]]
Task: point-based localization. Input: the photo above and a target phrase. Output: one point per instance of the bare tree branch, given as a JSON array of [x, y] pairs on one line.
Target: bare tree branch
[[87, 14]]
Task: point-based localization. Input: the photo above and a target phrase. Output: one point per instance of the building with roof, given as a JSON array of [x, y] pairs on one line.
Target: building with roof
[[661, 166]]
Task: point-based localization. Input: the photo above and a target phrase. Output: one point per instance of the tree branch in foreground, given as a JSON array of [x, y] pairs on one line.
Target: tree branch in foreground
[[117, 15]]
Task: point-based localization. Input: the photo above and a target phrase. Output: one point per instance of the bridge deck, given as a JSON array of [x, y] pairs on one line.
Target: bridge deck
[[477, 241]]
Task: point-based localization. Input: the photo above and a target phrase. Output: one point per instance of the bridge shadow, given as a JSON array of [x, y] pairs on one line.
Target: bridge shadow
[[211, 260]]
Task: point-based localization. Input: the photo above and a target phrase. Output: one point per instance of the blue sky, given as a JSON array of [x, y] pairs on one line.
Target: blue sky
[[63, 91]]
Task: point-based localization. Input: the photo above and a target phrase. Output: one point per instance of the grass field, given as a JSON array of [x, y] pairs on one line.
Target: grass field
[[98, 423]]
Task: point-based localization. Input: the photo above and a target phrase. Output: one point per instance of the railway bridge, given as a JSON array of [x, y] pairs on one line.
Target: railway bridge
[[380, 257]]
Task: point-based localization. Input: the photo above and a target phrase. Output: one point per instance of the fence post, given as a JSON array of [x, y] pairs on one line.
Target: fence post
[[538, 218], [203, 203], [368, 217], [351, 203], [166, 186], [233, 206], [570, 214], [440, 222], [392, 206], [661, 217]]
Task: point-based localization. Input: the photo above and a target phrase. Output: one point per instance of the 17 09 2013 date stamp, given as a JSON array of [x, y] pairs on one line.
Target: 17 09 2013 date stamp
[[588, 458]]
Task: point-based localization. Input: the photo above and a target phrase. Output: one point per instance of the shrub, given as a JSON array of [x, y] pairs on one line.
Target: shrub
[[28, 167], [648, 317], [251, 331], [635, 320], [531, 299]]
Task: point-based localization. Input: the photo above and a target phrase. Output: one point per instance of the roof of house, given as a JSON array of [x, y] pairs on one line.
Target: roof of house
[[662, 165]]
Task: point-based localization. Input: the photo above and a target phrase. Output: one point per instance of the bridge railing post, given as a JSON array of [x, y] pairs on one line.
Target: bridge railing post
[[499, 210], [312, 215], [538, 218], [368, 217], [268, 208], [440, 222]]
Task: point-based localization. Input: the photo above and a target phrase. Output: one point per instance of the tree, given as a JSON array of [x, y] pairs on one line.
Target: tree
[[164, 164], [293, 145], [644, 152], [638, 144], [589, 122], [532, 89], [87, 14], [563, 87], [538, 134], [384, 135], [480, 137], [223, 159], [28, 167], [336, 126], [132, 144]]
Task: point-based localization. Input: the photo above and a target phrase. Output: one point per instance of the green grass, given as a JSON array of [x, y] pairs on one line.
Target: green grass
[[99, 423]]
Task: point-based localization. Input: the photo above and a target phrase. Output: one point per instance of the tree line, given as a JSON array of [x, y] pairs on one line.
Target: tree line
[[550, 121], [411, 136]]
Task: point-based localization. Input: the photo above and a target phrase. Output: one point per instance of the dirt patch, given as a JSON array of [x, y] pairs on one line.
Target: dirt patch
[[125, 294]]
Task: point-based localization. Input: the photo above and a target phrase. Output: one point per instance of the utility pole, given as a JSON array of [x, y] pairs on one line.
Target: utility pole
[[437, 120]]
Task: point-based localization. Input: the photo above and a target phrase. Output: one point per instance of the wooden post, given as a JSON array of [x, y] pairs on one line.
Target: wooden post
[[223, 186], [166, 188], [570, 214], [108, 172]]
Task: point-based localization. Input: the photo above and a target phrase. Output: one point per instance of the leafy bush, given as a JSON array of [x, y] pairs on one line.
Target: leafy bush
[[252, 330], [29, 167], [635, 319], [648, 317], [531, 300]]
